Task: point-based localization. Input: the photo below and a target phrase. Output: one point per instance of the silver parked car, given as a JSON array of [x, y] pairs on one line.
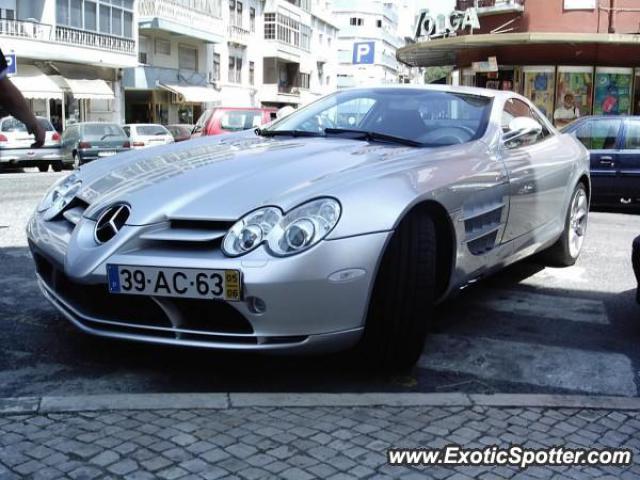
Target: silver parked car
[[15, 146], [341, 224]]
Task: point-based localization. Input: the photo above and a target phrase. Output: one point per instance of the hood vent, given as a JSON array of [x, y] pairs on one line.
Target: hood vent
[[189, 231]]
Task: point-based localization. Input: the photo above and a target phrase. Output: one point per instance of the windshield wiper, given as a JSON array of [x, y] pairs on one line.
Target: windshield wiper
[[286, 133], [372, 136], [106, 135]]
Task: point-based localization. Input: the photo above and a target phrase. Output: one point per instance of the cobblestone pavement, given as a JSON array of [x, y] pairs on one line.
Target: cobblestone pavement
[[300, 443]]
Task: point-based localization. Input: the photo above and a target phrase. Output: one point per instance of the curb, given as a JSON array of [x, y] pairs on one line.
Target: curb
[[225, 401]]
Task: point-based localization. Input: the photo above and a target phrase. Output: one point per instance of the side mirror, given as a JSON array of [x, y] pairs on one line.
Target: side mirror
[[521, 129]]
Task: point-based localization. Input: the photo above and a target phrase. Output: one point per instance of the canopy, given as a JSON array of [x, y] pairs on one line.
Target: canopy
[[83, 89], [193, 93], [32, 83]]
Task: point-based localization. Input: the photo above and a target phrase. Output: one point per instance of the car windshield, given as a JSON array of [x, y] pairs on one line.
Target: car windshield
[[102, 131], [151, 130], [14, 125], [234, 120], [412, 116]]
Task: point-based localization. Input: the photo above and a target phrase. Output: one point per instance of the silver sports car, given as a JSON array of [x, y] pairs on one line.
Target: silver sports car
[[339, 225]]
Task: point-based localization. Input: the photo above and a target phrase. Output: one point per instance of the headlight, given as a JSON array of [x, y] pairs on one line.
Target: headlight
[[251, 231], [59, 196], [295, 232]]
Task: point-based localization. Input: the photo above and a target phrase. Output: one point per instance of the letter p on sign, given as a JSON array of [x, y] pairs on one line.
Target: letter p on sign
[[364, 53]]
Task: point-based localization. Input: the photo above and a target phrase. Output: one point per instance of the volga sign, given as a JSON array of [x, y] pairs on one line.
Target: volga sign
[[444, 25]]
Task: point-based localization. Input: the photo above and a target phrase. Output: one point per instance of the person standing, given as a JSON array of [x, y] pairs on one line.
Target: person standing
[[12, 101], [567, 112]]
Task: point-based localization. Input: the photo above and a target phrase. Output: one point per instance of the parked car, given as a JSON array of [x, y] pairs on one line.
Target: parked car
[[215, 121], [15, 146], [614, 148], [324, 230], [180, 132], [145, 135], [84, 142]]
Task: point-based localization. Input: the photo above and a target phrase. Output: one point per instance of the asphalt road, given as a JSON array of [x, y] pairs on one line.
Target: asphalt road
[[528, 329]]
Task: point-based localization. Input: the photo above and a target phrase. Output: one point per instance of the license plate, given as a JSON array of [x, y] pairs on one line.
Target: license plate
[[175, 282], [106, 154]]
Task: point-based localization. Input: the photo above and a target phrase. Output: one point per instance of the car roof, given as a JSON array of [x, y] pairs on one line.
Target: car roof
[[143, 125], [485, 92]]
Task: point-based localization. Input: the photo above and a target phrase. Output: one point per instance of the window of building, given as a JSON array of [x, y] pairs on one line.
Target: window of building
[[162, 46], [111, 17], [239, 14], [379, 23], [287, 30], [356, 22], [235, 69], [188, 58], [143, 46], [252, 19], [216, 66], [252, 73], [305, 80], [232, 12]]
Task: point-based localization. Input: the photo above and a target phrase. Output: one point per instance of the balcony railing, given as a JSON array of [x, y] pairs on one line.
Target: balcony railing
[[199, 14], [238, 34], [84, 38], [490, 6], [66, 35]]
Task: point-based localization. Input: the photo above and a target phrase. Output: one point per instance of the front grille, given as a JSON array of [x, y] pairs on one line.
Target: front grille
[[200, 320]]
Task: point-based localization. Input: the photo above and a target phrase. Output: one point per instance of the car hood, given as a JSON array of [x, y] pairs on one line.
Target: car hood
[[219, 180]]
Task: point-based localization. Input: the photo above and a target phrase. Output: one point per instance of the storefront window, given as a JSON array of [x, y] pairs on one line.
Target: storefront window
[[539, 87], [574, 94], [612, 91], [636, 94]]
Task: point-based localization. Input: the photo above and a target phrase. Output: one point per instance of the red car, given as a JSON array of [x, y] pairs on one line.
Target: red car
[[215, 121]]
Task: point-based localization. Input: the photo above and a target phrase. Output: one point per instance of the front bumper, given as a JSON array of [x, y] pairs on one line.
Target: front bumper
[[306, 311]]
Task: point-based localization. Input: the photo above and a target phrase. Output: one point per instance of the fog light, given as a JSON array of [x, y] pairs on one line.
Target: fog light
[[256, 305]]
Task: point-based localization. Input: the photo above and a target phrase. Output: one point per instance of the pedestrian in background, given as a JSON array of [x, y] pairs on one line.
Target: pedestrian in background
[[567, 112], [13, 102]]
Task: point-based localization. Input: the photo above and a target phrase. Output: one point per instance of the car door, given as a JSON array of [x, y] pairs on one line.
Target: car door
[[601, 136], [627, 181], [538, 172]]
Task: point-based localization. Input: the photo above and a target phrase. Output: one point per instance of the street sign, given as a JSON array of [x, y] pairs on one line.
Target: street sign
[[12, 65], [364, 53]]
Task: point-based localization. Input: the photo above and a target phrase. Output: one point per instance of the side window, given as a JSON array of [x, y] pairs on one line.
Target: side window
[[600, 134], [515, 108], [127, 130], [632, 136]]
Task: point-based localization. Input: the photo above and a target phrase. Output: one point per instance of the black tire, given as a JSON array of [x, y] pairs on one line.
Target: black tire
[[43, 168], [559, 254], [401, 303], [56, 166]]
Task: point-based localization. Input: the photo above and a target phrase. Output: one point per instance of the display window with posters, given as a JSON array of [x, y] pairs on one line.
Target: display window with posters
[[612, 91], [539, 86], [574, 94], [636, 93]]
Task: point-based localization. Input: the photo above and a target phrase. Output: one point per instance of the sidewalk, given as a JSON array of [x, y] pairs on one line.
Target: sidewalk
[[299, 437]]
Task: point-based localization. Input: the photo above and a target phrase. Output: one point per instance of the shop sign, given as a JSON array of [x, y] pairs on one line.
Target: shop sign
[[12, 65], [579, 4], [491, 65], [430, 26]]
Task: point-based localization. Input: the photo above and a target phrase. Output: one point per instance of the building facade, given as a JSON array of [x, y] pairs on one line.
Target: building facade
[[548, 50], [69, 55], [172, 83]]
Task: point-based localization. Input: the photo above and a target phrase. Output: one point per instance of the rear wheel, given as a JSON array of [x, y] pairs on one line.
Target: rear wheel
[[56, 166], [43, 168], [402, 300], [566, 250]]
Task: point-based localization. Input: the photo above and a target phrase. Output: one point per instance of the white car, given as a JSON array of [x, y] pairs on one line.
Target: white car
[[144, 135]]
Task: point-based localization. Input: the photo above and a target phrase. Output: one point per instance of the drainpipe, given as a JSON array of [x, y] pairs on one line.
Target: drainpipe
[[612, 6]]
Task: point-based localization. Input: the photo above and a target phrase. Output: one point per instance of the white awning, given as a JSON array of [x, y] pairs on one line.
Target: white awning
[[82, 89], [32, 83], [192, 93]]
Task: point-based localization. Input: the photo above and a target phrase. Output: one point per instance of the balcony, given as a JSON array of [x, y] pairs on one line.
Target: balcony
[[148, 78], [238, 35], [190, 18], [29, 30], [280, 94], [492, 7]]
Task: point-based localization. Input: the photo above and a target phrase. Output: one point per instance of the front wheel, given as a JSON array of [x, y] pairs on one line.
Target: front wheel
[[566, 250], [401, 304]]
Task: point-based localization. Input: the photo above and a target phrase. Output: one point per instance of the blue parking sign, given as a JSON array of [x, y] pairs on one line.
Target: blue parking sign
[[364, 53], [12, 67]]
